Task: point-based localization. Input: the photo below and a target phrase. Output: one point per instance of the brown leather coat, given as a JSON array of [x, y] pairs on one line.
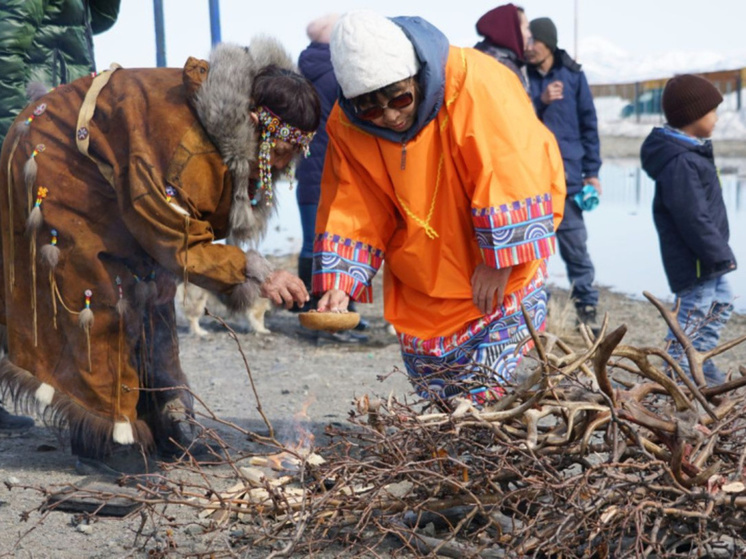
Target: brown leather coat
[[136, 191]]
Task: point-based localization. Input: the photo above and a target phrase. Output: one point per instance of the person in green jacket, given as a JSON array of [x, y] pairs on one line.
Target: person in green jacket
[[50, 42], [46, 41]]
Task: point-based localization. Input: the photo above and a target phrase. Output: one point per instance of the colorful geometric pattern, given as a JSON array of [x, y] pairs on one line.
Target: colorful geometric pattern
[[345, 264], [484, 351], [516, 233]]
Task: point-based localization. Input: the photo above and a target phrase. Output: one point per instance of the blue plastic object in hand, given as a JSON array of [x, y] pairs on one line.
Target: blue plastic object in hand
[[587, 199]]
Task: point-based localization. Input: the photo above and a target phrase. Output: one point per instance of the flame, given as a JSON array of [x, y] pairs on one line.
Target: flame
[[291, 459], [305, 438]]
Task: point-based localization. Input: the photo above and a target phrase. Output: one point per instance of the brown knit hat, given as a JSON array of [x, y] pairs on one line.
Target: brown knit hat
[[687, 98]]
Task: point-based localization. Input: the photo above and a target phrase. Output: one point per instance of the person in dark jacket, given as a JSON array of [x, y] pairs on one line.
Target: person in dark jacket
[[46, 41], [506, 36], [315, 64], [51, 42], [563, 102], [689, 214]]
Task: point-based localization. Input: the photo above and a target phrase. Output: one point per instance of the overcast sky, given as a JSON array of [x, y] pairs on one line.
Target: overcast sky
[[636, 26]]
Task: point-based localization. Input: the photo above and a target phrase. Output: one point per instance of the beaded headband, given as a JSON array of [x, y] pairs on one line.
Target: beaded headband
[[273, 129]]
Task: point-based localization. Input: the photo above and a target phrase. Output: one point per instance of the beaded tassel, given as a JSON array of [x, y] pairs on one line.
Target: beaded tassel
[[33, 224], [11, 189], [265, 167], [50, 256], [145, 290], [85, 320], [30, 171], [122, 433], [123, 307], [186, 250]]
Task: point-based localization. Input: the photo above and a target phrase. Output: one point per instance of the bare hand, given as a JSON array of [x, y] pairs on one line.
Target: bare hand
[[334, 300], [594, 182], [552, 93], [488, 287], [283, 288]]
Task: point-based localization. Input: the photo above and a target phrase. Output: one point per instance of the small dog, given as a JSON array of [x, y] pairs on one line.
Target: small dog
[[192, 301]]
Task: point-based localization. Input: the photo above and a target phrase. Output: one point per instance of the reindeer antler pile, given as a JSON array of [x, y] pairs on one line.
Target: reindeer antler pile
[[598, 452]]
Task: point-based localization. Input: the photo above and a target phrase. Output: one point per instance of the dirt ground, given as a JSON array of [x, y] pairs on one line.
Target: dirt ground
[[290, 372]]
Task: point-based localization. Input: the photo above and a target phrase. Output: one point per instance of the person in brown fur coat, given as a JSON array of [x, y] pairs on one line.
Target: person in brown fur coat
[[111, 188]]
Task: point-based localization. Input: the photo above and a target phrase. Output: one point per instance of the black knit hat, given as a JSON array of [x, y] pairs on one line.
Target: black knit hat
[[544, 30], [687, 98]]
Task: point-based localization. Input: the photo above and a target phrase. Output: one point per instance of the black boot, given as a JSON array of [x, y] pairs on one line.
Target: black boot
[[587, 315], [305, 273], [363, 324], [117, 460], [176, 437], [13, 425]]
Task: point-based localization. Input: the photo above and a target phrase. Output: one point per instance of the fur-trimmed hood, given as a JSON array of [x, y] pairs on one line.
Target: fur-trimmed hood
[[222, 103]]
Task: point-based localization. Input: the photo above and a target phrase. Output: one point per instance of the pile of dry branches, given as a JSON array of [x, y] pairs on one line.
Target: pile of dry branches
[[597, 452]]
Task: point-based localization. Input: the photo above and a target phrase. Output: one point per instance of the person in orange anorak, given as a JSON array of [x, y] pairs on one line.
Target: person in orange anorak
[[436, 163]]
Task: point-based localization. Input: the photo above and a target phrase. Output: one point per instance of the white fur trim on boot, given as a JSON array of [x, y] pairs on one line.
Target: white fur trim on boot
[[44, 394], [123, 433]]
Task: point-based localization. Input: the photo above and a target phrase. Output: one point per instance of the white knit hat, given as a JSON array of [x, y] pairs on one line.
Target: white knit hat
[[369, 51]]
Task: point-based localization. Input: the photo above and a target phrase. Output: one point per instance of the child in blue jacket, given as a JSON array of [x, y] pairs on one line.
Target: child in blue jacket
[[689, 214]]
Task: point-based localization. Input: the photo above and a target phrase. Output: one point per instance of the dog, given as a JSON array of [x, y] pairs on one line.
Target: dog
[[191, 301]]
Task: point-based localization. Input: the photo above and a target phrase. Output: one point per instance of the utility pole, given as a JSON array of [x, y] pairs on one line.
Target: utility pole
[[160, 34], [575, 29], [214, 22]]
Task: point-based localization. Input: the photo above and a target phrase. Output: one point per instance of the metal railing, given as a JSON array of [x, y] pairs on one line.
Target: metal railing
[[645, 95]]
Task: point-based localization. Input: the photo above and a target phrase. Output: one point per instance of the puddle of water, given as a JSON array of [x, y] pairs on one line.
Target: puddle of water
[[623, 242]]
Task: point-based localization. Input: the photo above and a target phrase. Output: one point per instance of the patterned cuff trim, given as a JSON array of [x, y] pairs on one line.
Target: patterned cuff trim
[[516, 233]]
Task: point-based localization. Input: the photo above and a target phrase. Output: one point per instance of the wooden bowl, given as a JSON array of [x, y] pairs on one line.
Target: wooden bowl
[[331, 321]]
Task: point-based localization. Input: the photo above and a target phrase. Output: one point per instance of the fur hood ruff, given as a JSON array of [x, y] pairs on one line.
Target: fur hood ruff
[[222, 103]]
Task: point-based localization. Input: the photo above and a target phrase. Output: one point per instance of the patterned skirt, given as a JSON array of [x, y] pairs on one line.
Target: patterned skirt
[[481, 356]]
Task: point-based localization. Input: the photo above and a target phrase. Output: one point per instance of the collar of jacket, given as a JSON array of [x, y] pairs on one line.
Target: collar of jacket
[[676, 133], [222, 102], [561, 60]]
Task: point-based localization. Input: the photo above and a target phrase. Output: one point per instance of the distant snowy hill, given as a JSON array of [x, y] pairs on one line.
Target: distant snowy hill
[[604, 62]]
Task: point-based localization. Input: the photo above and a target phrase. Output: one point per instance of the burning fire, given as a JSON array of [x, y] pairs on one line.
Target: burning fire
[[290, 460]]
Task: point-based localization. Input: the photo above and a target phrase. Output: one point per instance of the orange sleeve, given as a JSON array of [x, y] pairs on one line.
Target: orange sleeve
[[511, 161], [355, 218]]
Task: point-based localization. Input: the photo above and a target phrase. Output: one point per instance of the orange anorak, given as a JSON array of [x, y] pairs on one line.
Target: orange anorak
[[481, 182]]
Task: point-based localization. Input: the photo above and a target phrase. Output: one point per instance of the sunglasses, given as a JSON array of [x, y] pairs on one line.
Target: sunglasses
[[399, 102]]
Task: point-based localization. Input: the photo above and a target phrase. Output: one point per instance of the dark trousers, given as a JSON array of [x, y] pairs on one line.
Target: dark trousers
[[308, 225], [572, 238], [305, 259]]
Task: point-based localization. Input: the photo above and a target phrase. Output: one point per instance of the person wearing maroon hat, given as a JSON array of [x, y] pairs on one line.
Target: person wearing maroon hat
[[690, 216], [506, 35]]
